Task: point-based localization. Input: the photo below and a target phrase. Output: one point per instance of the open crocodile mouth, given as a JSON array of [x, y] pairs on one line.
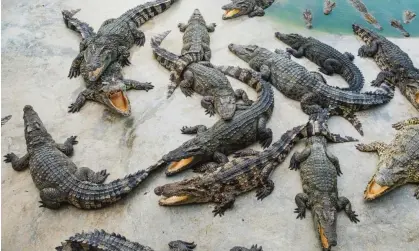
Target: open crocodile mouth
[[231, 13], [323, 239], [119, 101], [176, 166], [374, 190], [94, 75], [173, 200]]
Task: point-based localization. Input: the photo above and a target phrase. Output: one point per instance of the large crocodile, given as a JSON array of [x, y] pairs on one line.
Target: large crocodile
[[295, 82], [328, 58], [247, 171], [58, 178], [110, 87], [251, 8], [203, 78], [361, 8], [399, 160], [226, 136], [319, 171], [395, 64]]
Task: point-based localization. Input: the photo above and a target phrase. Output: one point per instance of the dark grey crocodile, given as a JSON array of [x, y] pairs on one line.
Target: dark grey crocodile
[[328, 58], [310, 88], [395, 64], [319, 171], [110, 87], [226, 136], [247, 171], [251, 8], [203, 78], [58, 178]]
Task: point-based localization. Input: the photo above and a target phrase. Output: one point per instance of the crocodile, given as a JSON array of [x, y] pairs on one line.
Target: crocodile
[[211, 145], [113, 39], [395, 64], [247, 171], [110, 88], [308, 18], [319, 169], [310, 88], [251, 8], [100, 240], [328, 58], [398, 25], [398, 161], [360, 6], [218, 95], [5, 119], [328, 6], [408, 16], [59, 179]]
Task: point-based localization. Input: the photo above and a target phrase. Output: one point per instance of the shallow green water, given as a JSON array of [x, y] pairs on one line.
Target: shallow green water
[[344, 14]]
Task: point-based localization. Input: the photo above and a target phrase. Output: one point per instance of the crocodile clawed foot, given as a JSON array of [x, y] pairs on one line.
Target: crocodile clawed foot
[[101, 176], [218, 210], [74, 72], [73, 108], [73, 140], [8, 157], [360, 147], [398, 126], [182, 245], [263, 192], [375, 83], [210, 112], [353, 217], [125, 62], [140, 41], [301, 213]]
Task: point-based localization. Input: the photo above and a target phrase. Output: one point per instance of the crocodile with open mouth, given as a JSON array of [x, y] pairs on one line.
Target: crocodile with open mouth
[[398, 161], [396, 66], [310, 88], [251, 8], [247, 171]]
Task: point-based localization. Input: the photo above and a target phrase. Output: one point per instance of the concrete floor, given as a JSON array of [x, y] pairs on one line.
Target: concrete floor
[[37, 51]]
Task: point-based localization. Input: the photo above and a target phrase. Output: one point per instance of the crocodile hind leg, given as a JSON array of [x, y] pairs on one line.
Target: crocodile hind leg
[[264, 134], [136, 85], [67, 147], [301, 200], [51, 198], [368, 50], [376, 146], [241, 94], [296, 53], [382, 77], [87, 174], [405, 123], [124, 55], [207, 102], [18, 164], [266, 185], [193, 129], [298, 157], [225, 201], [349, 55], [139, 37], [345, 204], [330, 66], [309, 104]]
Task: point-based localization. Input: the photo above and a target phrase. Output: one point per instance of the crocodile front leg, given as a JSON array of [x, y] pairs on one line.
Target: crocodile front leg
[[264, 134], [382, 77], [182, 27], [186, 83], [18, 164], [405, 123], [75, 66], [376, 146], [345, 204], [368, 50], [301, 200], [81, 100], [296, 53], [330, 66], [257, 11], [87, 174], [211, 27], [139, 37], [193, 129], [207, 103], [67, 147], [124, 55], [136, 85], [51, 198], [241, 94], [298, 157], [226, 201], [335, 162]]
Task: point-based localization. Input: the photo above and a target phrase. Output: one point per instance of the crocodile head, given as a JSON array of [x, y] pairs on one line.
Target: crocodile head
[[365, 34], [293, 40], [245, 52], [324, 217], [35, 131], [225, 106], [328, 7], [196, 16], [114, 96], [238, 8], [189, 154], [183, 192], [98, 58]]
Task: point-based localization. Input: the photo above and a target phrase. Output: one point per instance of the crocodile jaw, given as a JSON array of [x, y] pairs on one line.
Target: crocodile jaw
[[174, 200], [177, 166], [374, 190], [120, 102]]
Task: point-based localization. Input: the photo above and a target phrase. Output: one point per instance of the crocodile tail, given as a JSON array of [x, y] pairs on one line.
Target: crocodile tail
[[247, 76], [98, 240], [87, 195], [353, 76], [76, 25], [365, 34], [144, 12]]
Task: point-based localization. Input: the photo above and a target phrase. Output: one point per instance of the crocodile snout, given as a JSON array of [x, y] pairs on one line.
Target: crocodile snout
[[27, 108], [230, 46], [158, 190]]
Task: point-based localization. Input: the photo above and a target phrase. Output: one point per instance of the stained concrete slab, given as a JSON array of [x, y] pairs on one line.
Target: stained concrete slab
[[37, 51]]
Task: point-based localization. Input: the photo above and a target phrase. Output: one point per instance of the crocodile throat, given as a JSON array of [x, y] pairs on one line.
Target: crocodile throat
[[119, 101], [176, 165], [230, 13], [173, 200], [374, 190]]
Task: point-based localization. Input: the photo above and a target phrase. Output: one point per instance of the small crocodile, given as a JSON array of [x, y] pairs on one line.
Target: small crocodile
[[310, 88], [99, 240], [5, 119], [319, 171], [395, 64], [399, 160], [226, 136], [251, 8], [308, 18], [398, 25], [110, 87], [328, 6], [360, 6], [218, 95], [408, 16], [58, 178], [328, 58], [252, 248], [247, 171]]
